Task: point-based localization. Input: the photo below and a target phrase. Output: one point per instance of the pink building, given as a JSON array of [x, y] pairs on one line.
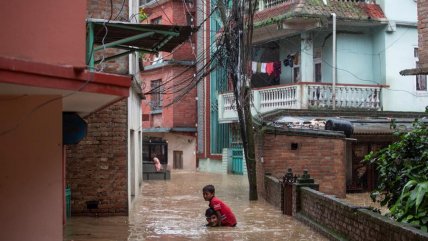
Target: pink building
[[42, 74], [169, 80]]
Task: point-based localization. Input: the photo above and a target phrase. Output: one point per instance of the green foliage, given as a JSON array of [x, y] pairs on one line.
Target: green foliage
[[412, 206], [403, 176]]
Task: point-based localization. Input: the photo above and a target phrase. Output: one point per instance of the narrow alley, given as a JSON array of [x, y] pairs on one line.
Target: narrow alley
[[174, 210]]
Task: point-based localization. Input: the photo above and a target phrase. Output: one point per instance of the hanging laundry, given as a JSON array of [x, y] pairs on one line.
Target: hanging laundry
[[263, 68], [269, 68], [277, 68], [254, 67], [289, 61], [259, 67]]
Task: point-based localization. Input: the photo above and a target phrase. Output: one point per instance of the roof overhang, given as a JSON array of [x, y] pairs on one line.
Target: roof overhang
[[167, 130], [416, 71], [132, 37], [83, 92]]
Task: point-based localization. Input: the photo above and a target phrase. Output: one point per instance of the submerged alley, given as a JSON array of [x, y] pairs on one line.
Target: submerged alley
[[174, 210]]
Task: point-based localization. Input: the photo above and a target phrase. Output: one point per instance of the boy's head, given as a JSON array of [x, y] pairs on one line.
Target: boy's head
[[208, 192], [211, 216]]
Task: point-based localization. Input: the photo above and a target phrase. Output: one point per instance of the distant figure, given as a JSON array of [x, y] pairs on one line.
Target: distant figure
[[211, 216], [222, 211], [158, 165]]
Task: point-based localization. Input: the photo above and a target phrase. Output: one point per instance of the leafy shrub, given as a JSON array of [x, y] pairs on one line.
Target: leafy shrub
[[403, 176]]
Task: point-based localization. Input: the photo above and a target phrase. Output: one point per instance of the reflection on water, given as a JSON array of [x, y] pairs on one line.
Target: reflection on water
[[174, 210]]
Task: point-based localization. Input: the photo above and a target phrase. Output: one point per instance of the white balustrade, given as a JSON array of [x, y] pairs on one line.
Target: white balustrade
[[271, 3], [304, 96], [278, 98]]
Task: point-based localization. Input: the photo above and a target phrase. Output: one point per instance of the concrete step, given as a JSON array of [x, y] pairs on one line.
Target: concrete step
[[162, 175]]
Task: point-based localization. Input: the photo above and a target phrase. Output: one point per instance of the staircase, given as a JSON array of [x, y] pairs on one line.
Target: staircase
[[150, 173]]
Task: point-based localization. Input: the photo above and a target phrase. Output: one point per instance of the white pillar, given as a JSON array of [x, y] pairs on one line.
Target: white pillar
[[307, 57]]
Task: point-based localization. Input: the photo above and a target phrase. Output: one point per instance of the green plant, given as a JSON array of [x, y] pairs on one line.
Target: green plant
[[412, 206], [403, 175]]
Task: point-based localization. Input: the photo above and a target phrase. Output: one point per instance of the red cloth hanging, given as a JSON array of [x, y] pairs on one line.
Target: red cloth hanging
[[269, 68]]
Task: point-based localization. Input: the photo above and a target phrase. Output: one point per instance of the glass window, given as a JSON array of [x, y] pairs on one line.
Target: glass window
[[156, 95]]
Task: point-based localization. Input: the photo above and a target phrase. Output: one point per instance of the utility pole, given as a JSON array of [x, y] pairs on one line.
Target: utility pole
[[238, 30]]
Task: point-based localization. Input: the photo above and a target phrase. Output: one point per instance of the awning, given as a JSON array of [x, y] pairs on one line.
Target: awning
[[131, 37], [416, 71], [167, 130]]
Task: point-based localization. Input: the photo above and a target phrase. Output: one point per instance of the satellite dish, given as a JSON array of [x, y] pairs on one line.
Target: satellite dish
[[74, 128]]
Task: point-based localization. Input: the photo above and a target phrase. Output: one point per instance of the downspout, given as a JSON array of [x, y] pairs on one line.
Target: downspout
[[334, 61]]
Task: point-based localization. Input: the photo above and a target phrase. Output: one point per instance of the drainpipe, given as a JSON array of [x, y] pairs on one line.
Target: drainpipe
[[334, 61]]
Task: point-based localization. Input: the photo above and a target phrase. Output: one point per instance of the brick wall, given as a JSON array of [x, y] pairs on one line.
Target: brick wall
[[96, 168], [182, 114], [173, 13], [115, 11], [423, 32], [273, 191], [341, 221], [322, 155]]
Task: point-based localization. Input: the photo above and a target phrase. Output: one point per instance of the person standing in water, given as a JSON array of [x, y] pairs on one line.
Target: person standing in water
[[223, 212], [158, 165]]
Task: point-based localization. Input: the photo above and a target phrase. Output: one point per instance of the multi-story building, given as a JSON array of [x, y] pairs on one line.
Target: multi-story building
[[43, 74], [169, 109], [314, 60]]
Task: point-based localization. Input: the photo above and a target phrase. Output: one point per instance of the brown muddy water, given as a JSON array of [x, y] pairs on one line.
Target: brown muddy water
[[174, 210]]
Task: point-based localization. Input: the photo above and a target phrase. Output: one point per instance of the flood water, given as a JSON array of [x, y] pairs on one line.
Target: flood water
[[174, 210]]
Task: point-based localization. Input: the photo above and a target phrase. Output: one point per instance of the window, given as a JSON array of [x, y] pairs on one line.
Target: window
[[317, 65], [296, 68], [156, 95], [157, 20]]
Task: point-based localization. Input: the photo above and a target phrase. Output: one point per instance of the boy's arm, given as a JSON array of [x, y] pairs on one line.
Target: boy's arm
[[218, 218]]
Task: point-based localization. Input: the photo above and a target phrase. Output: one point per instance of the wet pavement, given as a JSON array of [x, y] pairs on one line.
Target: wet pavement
[[174, 210]]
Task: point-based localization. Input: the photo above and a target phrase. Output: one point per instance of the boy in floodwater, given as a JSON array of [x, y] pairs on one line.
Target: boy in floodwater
[[222, 211], [211, 216]]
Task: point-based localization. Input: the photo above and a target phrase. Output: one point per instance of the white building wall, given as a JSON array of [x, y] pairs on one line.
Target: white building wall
[[401, 94], [135, 147], [395, 10]]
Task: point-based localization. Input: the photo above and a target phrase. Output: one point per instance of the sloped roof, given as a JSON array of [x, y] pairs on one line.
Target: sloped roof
[[345, 11]]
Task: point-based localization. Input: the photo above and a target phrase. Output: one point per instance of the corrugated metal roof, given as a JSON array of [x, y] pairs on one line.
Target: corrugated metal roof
[[159, 41]]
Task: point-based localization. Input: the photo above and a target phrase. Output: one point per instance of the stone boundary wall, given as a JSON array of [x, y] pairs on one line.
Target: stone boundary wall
[[341, 221]]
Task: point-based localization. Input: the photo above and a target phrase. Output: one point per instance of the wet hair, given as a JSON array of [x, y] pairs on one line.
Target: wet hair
[[209, 188], [209, 212]]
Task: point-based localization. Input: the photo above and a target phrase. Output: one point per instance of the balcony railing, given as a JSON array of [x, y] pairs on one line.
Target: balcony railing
[[271, 3], [304, 96]]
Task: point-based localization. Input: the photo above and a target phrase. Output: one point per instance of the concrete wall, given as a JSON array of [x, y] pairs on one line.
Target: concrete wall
[[324, 158], [399, 55], [97, 166], [405, 11], [211, 165], [40, 30], [31, 173]]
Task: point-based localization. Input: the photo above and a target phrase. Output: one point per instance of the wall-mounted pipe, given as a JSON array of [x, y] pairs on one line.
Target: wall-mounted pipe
[[334, 61]]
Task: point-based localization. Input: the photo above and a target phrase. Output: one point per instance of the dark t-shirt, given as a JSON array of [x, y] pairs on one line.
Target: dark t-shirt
[[227, 216]]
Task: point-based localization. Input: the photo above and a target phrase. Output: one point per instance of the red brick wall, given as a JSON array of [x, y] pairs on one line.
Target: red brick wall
[[102, 10], [324, 158], [96, 168], [173, 13], [423, 32], [181, 114], [349, 222]]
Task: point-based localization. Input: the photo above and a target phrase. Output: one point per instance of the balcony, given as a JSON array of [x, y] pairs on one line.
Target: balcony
[[304, 96]]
